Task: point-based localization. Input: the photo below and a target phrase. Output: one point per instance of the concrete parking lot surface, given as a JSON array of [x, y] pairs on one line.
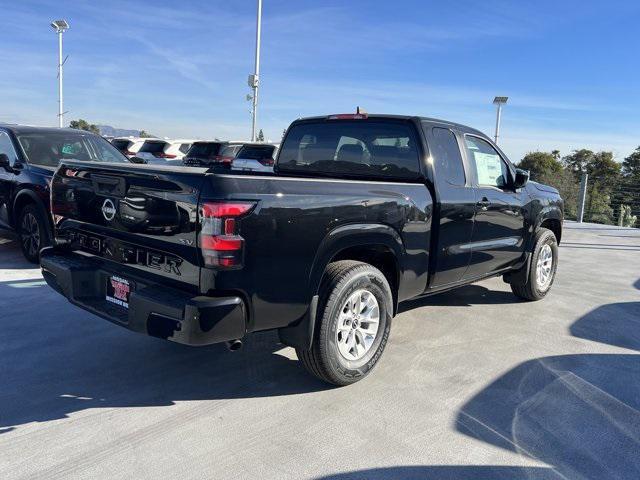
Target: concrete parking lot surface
[[473, 384]]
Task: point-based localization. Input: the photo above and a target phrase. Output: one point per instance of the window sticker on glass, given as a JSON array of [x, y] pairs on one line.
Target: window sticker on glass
[[488, 167], [68, 149]]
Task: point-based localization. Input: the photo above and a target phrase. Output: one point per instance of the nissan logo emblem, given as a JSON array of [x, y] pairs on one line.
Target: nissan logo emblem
[[108, 210]]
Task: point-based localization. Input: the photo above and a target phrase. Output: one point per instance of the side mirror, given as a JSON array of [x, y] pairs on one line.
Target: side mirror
[[522, 177], [4, 162]]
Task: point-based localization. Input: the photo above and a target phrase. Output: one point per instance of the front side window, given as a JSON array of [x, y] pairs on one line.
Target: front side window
[[490, 169], [447, 159], [48, 149], [6, 147], [371, 148]]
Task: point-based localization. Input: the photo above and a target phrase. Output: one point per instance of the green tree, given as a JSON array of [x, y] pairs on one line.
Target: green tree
[[604, 175], [541, 165], [145, 134], [631, 166], [546, 168], [260, 136], [81, 124]]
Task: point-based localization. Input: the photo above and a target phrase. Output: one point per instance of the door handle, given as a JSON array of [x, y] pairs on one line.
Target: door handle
[[483, 204]]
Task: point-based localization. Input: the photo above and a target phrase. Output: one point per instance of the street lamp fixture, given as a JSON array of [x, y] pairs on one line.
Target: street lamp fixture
[[60, 26], [499, 102]]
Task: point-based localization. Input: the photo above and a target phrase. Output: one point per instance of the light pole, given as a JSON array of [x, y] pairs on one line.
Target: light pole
[[499, 102], [60, 26], [254, 78]]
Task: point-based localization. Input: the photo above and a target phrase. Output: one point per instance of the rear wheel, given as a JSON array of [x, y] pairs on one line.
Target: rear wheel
[[354, 315], [542, 270], [33, 231]]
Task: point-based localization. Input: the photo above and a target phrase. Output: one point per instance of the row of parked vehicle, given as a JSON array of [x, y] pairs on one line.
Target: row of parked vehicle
[[236, 155]]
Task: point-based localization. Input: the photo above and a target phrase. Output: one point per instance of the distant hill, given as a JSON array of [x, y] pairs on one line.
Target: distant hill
[[117, 132]]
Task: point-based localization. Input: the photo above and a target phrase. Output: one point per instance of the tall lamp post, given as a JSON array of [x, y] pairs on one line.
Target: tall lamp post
[[60, 26], [254, 78], [499, 102]]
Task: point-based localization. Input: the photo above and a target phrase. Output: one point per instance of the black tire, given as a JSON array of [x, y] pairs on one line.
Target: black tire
[[341, 280], [33, 232], [532, 290]]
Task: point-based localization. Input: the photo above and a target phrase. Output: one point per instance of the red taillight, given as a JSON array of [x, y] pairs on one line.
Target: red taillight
[[223, 159], [129, 153], [220, 241], [163, 155], [267, 162]]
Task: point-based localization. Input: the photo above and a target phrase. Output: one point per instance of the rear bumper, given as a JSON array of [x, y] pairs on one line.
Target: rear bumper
[[154, 309]]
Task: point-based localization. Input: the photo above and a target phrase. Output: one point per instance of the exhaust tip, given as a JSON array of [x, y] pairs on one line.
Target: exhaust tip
[[234, 345]]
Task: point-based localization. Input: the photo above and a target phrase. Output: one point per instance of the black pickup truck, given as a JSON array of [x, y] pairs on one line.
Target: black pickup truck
[[361, 213]]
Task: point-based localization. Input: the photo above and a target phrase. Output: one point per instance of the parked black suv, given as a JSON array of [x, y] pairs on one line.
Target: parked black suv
[[28, 158]]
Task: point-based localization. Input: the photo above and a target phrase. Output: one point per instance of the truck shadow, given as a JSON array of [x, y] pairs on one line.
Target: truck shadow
[[577, 413], [447, 472], [57, 359], [465, 296]]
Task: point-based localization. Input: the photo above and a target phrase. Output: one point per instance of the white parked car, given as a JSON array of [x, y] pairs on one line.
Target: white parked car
[[255, 157], [155, 150], [129, 146]]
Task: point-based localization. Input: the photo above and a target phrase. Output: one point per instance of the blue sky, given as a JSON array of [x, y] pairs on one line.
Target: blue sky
[[179, 69]]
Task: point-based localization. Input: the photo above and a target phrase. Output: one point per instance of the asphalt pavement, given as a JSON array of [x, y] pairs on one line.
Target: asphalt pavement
[[474, 384]]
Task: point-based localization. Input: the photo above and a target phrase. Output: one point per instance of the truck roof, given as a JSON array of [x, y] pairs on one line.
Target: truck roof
[[374, 116]]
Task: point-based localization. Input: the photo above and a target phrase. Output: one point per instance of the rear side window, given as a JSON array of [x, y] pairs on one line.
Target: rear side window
[[368, 148], [447, 160]]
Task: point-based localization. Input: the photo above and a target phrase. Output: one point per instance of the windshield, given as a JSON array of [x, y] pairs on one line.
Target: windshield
[[256, 152], [374, 148], [203, 149], [48, 149]]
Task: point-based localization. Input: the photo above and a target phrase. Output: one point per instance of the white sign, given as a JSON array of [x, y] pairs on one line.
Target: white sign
[[489, 168]]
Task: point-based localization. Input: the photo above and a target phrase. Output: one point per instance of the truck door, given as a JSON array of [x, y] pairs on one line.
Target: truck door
[[455, 204], [499, 225]]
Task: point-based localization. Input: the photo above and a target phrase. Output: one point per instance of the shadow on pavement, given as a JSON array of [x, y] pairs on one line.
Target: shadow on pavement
[[614, 324], [448, 472], [12, 257], [466, 296], [57, 359], [577, 413]]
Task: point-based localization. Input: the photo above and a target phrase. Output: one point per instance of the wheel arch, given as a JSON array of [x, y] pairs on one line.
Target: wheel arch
[[24, 198], [376, 244]]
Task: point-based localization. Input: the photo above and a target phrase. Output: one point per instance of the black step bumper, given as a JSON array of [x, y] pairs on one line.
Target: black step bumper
[[154, 309]]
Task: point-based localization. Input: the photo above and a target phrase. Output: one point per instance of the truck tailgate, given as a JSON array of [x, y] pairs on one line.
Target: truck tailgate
[[141, 216]]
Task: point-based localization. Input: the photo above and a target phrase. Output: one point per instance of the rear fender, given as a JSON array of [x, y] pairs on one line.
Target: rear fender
[[300, 334]]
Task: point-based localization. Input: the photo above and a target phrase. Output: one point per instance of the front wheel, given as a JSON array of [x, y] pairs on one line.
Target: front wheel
[[354, 313], [542, 269]]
